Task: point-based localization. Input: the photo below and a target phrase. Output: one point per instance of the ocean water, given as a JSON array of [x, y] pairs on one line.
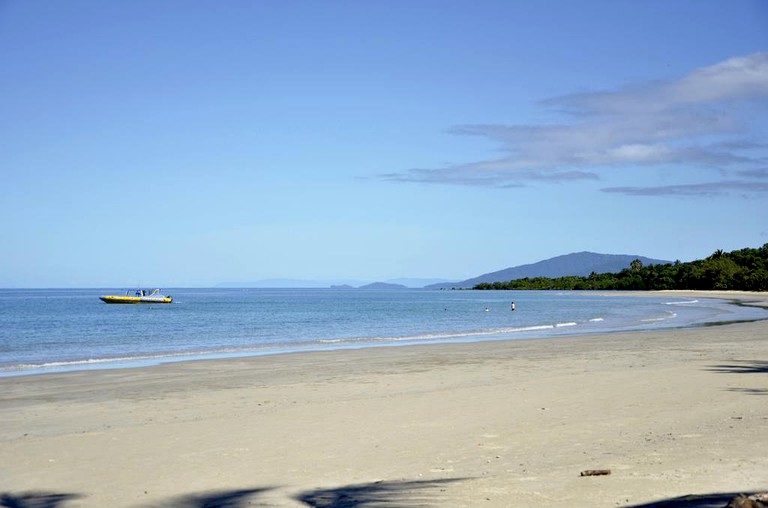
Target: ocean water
[[71, 329]]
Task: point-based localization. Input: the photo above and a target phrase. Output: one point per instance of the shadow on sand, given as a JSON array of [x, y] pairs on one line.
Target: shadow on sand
[[718, 500], [743, 367], [216, 499], [409, 493], [35, 500], [405, 493]]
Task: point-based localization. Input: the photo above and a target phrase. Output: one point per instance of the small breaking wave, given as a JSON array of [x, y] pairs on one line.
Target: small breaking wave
[[688, 302], [670, 315], [436, 337], [265, 349], [148, 359]]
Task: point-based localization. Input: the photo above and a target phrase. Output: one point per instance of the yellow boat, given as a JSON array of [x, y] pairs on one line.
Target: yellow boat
[[138, 296]]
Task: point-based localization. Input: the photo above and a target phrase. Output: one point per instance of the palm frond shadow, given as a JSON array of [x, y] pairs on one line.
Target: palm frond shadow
[[35, 500], [717, 500], [750, 391], [741, 367], [217, 499], [380, 494]]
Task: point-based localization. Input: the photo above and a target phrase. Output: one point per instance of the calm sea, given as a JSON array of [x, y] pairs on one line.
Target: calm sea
[[71, 329]]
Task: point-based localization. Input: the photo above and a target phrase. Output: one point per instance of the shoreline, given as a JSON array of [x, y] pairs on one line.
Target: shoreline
[[669, 412], [754, 298], [749, 299]]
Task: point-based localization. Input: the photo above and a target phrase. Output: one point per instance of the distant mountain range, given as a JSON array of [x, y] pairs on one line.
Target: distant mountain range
[[336, 284], [577, 263]]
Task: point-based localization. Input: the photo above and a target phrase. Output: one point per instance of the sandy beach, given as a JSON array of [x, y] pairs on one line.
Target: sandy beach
[[669, 413]]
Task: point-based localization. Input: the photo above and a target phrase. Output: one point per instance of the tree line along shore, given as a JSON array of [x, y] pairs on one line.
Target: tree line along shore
[[738, 270]]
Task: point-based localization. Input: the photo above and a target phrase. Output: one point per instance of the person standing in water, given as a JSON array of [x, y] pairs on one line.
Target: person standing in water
[[513, 306]]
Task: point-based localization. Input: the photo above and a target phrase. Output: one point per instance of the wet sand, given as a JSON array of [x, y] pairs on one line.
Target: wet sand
[[496, 424]]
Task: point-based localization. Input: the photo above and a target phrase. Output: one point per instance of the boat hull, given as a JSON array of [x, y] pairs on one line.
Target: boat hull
[[135, 299]]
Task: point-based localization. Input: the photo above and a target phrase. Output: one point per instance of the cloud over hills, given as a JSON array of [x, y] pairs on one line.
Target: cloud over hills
[[705, 119]]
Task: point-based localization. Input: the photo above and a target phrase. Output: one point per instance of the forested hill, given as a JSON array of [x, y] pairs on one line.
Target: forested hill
[[745, 270], [577, 263]]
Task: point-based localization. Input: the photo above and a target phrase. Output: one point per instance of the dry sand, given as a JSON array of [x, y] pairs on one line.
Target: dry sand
[[499, 424]]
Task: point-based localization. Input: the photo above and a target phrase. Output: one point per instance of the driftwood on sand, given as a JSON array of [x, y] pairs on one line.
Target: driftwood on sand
[[595, 472]]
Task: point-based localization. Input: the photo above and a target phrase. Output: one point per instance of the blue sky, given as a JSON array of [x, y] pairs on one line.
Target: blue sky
[[188, 143]]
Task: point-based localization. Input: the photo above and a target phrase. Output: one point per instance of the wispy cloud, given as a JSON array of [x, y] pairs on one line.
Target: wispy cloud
[[696, 120], [754, 173], [709, 189]]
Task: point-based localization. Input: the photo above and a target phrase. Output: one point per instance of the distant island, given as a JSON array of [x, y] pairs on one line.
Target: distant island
[[374, 285], [744, 270], [383, 285]]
